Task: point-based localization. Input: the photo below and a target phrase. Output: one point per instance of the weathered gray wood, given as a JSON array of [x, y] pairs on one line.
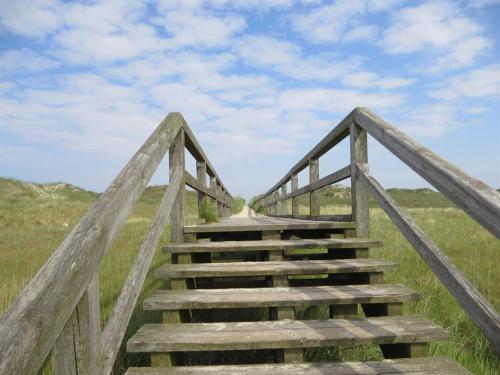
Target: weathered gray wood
[[283, 202], [294, 185], [213, 190], [479, 310], [359, 192], [265, 223], [337, 134], [76, 349], [473, 196], [342, 217], [176, 161], [283, 334], [122, 311], [332, 178], [307, 267], [313, 195], [414, 366], [197, 152], [269, 245], [52, 295], [278, 296]]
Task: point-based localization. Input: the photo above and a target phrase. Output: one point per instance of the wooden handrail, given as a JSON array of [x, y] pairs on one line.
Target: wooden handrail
[[116, 325], [476, 198], [60, 305], [338, 133], [476, 306]]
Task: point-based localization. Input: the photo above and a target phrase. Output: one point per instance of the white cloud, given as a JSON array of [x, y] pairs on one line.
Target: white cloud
[[328, 23], [31, 18], [287, 59], [432, 121], [482, 82], [199, 28], [340, 21], [366, 79], [24, 60], [439, 29]]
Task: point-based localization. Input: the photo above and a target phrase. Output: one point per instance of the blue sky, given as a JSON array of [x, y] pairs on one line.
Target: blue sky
[[82, 84]]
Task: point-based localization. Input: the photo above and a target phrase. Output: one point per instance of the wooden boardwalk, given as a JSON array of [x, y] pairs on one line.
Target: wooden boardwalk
[[250, 294], [209, 280]]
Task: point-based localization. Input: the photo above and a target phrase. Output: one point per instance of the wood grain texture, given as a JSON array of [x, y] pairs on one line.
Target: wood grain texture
[[265, 223], [298, 267], [414, 366], [278, 296], [313, 195], [116, 325], [294, 186], [359, 192], [475, 197], [77, 347], [283, 334], [52, 295], [270, 245], [479, 310]]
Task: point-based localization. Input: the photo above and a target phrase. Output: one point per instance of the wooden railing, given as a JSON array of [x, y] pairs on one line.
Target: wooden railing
[[476, 198], [59, 309]]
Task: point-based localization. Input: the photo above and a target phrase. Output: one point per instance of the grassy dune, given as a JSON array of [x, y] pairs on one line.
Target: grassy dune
[[35, 219]]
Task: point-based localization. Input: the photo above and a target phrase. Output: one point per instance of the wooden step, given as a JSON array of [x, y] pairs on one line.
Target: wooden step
[[278, 296], [270, 245], [264, 223], [274, 268], [281, 334], [413, 366]]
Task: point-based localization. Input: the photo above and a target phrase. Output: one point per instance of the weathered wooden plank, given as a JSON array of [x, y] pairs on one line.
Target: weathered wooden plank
[[269, 245], [294, 186], [475, 197], [197, 152], [313, 195], [335, 136], [359, 192], [479, 310], [76, 349], [176, 161], [52, 295], [114, 330], [414, 366], [341, 217], [308, 267], [283, 334], [278, 296], [195, 184], [332, 178], [265, 223]]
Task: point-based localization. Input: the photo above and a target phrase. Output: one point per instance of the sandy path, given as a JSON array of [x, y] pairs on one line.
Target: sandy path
[[245, 212]]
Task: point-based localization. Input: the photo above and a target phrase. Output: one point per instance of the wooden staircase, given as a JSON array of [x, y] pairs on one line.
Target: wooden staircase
[[278, 266]]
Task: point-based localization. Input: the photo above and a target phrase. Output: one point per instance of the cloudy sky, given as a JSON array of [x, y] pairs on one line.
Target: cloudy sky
[[82, 84]]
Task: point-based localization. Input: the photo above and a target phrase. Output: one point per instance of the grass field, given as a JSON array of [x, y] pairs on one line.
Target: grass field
[[35, 219]]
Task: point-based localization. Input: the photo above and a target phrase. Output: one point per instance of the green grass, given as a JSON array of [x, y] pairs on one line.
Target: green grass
[[35, 219], [33, 224]]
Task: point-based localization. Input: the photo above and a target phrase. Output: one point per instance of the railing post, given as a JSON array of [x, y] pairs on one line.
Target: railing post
[[201, 176], [276, 196], [213, 188], [176, 159], [220, 208], [75, 351], [359, 192], [294, 185], [313, 196], [283, 202]]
